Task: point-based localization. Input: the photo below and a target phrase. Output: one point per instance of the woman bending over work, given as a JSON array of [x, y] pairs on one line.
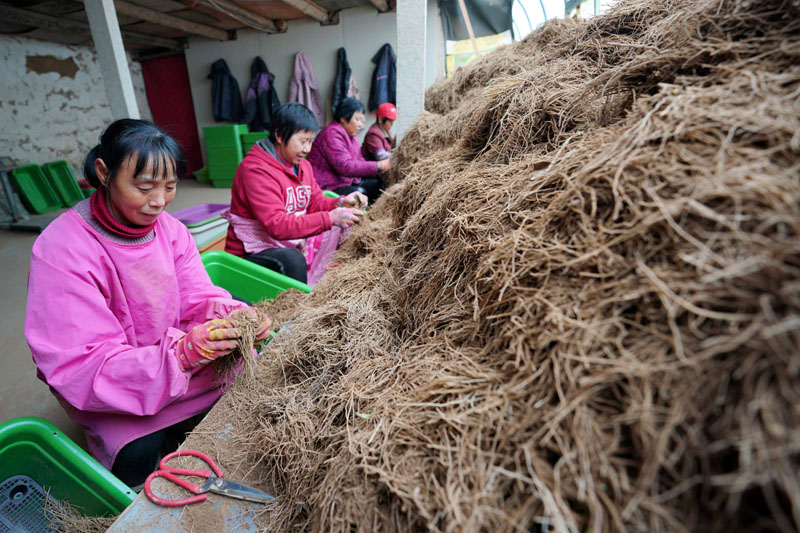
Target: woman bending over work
[[279, 217], [122, 319], [336, 155], [379, 140]]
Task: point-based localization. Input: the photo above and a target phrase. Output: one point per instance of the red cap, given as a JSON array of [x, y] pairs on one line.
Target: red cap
[[388, 110]]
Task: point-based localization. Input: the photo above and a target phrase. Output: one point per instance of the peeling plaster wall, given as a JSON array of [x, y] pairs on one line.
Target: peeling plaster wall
[[53, 102]]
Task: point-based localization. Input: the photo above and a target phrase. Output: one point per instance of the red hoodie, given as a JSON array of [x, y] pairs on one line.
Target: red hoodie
[[289, 206]]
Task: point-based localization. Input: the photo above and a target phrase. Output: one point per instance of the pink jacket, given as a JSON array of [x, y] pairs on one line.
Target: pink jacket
[[287, 206], [336, 159], [102, 322], [303, 87]]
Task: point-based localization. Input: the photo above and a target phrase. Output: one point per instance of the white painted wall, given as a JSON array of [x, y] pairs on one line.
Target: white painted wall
[[362, 31], [47, 116]]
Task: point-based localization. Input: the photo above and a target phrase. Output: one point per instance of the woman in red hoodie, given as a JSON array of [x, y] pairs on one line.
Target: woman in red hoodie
[[279, 217]]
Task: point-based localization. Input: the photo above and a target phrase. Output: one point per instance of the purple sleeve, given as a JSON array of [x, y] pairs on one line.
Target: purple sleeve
[[373, 142], [345, 162]]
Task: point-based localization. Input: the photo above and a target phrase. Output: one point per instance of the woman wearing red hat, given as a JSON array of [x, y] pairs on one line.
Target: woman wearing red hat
[[379, 141]]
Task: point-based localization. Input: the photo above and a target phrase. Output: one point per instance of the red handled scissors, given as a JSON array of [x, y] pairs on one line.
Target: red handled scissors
[[214, 482]]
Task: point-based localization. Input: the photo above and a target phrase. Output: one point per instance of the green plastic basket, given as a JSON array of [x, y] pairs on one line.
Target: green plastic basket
[[227, 135], [249, 139], [202, 175], [87, 192], [34, 190], [34, 447], [62, 180], [330, 194], [246, 280]]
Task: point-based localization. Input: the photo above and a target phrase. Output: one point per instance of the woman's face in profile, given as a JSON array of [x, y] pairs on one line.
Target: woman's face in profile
[[354, 125]]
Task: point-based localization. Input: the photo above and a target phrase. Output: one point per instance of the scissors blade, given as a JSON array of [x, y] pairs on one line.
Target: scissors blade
[[236, 490]]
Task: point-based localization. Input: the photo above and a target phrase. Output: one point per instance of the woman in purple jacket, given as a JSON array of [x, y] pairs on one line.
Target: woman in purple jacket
[[336, 155]]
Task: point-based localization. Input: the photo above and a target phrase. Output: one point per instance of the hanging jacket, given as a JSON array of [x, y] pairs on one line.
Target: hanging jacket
[[262, 99], [344, 85], [303, 87], [110, 359], [336, 159], [384, 78], [226, 99]]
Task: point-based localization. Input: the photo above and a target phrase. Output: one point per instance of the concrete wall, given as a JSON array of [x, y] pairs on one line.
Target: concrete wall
[[362, 31], [53, 102]]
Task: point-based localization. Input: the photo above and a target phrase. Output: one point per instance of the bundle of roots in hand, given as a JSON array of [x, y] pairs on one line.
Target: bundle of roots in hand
[[577, 309]]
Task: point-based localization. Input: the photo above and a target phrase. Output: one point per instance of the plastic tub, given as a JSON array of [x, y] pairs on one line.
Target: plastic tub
[[200, 214], [63, 182], [330, 194], [202, 175], [206, 233], [34, 190], [245, 280], [36, 448]]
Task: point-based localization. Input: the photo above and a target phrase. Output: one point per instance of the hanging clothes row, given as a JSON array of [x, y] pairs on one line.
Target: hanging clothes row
[[262, 99]]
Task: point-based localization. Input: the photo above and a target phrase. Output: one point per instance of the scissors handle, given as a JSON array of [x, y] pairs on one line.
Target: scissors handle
[[171, 473], [166, 502], [186, 471]]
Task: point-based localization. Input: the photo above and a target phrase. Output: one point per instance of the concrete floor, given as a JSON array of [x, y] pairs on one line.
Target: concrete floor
[[21, 392]]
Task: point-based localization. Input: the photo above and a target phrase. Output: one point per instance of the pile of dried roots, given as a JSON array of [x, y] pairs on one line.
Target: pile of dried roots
[[577, 309]]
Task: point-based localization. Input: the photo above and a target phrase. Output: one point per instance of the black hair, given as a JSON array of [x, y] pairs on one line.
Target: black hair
[[347, 108], [143, 140], [383, 120], [291, 118]]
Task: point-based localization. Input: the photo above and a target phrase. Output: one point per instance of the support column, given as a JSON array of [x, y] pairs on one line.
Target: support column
[[113, 61], [411, 28]]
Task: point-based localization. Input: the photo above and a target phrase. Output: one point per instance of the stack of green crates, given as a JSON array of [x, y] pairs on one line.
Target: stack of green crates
[[249, 139], [224, 151]]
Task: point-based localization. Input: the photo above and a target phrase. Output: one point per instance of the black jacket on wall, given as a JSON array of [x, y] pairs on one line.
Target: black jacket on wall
[[384, 78], [342, 82], [262, 99], [226, 99]]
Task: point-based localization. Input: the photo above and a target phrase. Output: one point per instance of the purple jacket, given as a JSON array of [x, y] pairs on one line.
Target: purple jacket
[[303, 87], [336, 159]]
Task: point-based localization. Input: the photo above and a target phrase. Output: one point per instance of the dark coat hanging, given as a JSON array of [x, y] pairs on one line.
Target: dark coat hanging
[[226, 99], [262, 99], [344, 86], [384, 78]]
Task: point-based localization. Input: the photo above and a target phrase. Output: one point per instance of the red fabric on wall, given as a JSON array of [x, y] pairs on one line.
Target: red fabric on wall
[[166, 82]]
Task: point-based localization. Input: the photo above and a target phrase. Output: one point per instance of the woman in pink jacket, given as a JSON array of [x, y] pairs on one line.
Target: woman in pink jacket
[[279, 217], [122, 319], [336, 155]]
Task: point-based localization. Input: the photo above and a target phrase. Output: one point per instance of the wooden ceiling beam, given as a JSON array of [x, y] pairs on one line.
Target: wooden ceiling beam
[[170, 21], [381, 5], [248, 18], [40, 20], [310, 9]]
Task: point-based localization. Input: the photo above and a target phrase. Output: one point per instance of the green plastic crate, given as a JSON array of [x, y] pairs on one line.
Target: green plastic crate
[[249, 139], [227, 135], [330, 194], [202, 175], [87, 192], [34, 190], [222, 183], [62, 180], [36, 448], [246, 280]]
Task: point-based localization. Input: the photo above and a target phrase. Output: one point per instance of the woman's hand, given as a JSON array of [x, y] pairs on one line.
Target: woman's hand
[[206, 342], [345, 217], [384, 164], [263, 329], [354, 199]]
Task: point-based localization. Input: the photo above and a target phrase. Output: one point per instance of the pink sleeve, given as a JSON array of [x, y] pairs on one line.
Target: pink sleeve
[[200, 299], [267, 203], [345, 163], [83, 353]]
